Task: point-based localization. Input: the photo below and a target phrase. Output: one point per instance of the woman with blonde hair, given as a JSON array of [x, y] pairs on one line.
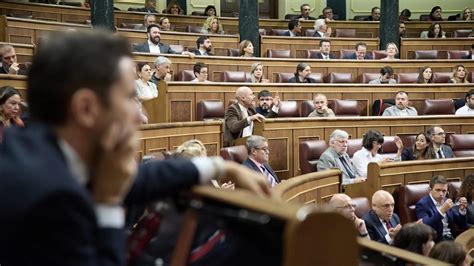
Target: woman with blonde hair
[[256, 74], [466, 14], [212, 25], [191, 148], [246, 48], [392, 51], [459, 75]]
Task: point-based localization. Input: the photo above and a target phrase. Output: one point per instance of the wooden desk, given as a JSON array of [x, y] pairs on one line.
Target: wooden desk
[[414, 28], [285, 134], [410, 45], [390, 176], [299, 45]]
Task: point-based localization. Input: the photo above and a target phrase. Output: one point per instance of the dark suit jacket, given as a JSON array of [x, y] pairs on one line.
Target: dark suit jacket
[[426, 210], [354, 56], [250, 164], [407, 155], [316, 34], [295, 79], [267, 113], [309, 17], [197, 52], [144, 48], [375, 227], [48, 218], [447, 151], [287, 33], [234, 123], [320, 56]]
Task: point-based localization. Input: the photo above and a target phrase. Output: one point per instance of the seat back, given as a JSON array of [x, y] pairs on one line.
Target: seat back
[[346, 53], [407, 198], [288, 109], [193, 28], [311, 53], [426, 54], [348, 33], [437, 107], [453, 189], [462, 33], [345, 107], [262, 31], [360, 17], [278, 53], [353, 145], [283, 77], [362, 206], [379, 54], [424, 17], [458, 54], [186, 75], [442, 77], [309, 32], [233, 52], [407, 77], [380, 105], [177, 48], [291, 16], [389, 148], [233, 76], [237, 154], [210, 110], [132, 26], [306, 108], [462, 144], [366, 77], [310, 151], [335, 77], [279, 32], [317, 77]]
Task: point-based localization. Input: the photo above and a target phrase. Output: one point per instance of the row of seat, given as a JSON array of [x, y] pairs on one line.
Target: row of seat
[[310, 151], [351, 33], [333, 77], [211, 110]]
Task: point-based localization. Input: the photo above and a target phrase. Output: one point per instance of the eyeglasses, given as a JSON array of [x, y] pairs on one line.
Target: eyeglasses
[[441, 134], [348, 206], [388, 205], [265, 149], [342, 141]]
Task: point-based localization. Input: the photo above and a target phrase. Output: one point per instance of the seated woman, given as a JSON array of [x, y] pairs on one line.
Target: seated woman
[[256, 74], [466, 14], [212, 25], [10, 100], [210, 11], [371, 144], [420, 150], [164, 24], [246, 48], [459, 75], [200, 72], [434, 31], [415, 237], [146, 90], [392, 51], [425, 75], [451, 252], [174, 9]]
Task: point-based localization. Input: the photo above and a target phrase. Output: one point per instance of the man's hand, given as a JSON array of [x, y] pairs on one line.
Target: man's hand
[[398, 142], [116, 166], [448, 204], [167, 77], [191, 55], [248, 179], [14, 68], [276, 100], [359, 179], [257, 117], [360, 226], [394, 230]]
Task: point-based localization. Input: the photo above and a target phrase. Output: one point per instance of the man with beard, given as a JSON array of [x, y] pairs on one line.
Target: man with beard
[[267, 105], [303, 71], [467, 109], [153, 44], [401, 107], [204, 46]]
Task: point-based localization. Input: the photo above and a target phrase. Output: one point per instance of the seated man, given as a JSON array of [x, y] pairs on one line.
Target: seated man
[[327, 15], [382, 224], [467, 109], [321, 29], [162, 70], [438, 140], [200, 72], [305, 11], [240, 116], [204, 46], [401, 107], [374, 15], [302, 73], [437, 211], [268, 106], [360, 53], [257, 147], [148, 20], [321, 107], [9, 61], [153, 44], [294, 28], [336, 157], [386, 76], [343, 204], [325, 50]]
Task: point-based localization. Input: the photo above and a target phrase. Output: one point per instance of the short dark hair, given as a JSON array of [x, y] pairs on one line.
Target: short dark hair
[[140, 66], [293, 23], [360, 44], [449, 251], [469, 94], [326, 8], [412, 236], [373, 8], [6, 92], [197, 67], [386, 70], [264, 93], [438, 179], [65, 63], [434, 9], [324, 40], [303, 5], [370, 137], [430, 130], [148, 29], [210, 7], [201, 40]]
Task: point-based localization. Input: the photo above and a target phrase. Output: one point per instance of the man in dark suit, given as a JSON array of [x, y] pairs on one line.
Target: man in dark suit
[[374, 15], [302, 73], [257, 147], [360, 53], [9, 63], [75, 165], [345, 206], [438, 140], [204, 46], [325, 50], [437, 211], [153, 44], [321, 29], [305, 11], [240, 116], [268, 106], [382, 224], [294, 28]]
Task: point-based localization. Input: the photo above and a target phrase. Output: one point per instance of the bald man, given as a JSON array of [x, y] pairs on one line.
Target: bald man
[[381, 222], [239, 117], [343, 204]]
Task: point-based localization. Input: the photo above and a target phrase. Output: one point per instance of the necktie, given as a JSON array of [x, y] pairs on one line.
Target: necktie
[[440, 155], [347, 168], [388, 224], [269, 176]]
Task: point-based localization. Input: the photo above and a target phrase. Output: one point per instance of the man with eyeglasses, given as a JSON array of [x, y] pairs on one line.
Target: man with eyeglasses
[[258, 151], [336, 157], [436, 210], [305, 10], [467, 109], [344, 205], [268, 106], [382, 223], [438, 138]]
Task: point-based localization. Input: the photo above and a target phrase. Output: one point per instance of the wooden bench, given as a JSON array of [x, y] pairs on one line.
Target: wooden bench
[[410, 45], [390, 176]]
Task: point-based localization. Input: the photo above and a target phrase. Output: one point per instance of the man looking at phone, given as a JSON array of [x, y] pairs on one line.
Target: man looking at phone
[[436, 210]]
